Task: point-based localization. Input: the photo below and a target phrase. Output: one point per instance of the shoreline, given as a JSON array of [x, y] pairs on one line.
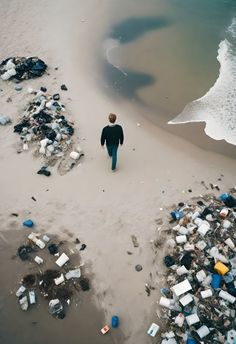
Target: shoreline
[[101, 208]]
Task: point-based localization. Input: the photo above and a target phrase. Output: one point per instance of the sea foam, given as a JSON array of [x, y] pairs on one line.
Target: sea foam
[[217, 108]]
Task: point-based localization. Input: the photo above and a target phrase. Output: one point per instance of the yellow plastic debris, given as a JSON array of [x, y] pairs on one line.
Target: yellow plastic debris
[[220, 268]]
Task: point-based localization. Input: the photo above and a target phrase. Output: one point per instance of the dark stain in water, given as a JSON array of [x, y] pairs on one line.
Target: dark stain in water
[[133, 28], [83, 319], [127, 83]]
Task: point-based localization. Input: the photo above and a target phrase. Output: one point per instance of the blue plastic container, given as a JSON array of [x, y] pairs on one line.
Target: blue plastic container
[[115, 321], [177, 214], [28, 223], [216, 281]]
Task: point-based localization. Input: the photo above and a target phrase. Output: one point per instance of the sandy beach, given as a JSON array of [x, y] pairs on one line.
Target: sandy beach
[[101, 208]]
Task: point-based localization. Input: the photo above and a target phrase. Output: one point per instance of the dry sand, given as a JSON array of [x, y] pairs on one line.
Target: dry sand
[[103, 209]]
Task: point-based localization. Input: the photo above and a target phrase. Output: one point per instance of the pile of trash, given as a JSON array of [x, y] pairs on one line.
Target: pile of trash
[[56, 285], [44, 123], [199, 302], [22, 68]]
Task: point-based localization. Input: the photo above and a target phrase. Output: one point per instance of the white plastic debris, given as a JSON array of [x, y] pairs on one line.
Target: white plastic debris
[[74, 155], [192, 319], [226, 296], [62, 260], [189, 247], [186, 300], [182, 270], [206, 293], [179, 320], [227, 224], [165, 302], [153, 329], [20, 291], [203, 228], [59, 279], [201, 245], [180, 239], [230, 243], [4, 120], [76, 273], [46, 238], [201, 275], [203, 331], [8, 74], [181, 287], [32, 297], [38, 260], [24, 303]]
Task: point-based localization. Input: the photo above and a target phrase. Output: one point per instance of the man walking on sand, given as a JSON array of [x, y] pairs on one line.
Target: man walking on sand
[[113, 135]]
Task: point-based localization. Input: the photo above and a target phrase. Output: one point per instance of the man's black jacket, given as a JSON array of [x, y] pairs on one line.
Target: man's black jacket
[[112, 135]]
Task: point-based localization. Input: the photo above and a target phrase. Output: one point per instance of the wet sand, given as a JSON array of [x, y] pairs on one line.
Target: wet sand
[[83, 319]]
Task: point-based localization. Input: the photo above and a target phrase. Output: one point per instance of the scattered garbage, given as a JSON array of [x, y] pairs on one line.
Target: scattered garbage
[[64, 88], [43, 125], [105, 329], [114, 321], [4, 120], [153, 329], [56, 309], [22, 68], [199, 304], [28, 223], [134, 241], [138, 267], [57, 285]]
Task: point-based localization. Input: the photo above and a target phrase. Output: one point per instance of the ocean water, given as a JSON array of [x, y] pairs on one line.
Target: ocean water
[[178, 58]]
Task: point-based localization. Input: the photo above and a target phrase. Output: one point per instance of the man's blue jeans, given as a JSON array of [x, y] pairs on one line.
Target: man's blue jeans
[[112, 152]]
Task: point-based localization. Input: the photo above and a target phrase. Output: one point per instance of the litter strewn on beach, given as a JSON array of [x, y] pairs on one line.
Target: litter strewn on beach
[[22, 68], [44, 125], [198, 304], [52, 275]]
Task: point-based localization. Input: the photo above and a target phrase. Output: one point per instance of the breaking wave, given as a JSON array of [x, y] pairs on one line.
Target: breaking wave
[[217, 108]]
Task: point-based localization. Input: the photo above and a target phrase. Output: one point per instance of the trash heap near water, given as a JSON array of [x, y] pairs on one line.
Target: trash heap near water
[[22, 68], [198, 305], [55, 282], [44, 125]]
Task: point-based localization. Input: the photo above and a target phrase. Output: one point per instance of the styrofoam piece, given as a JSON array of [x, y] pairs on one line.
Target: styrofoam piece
[[185, 300], [153, 329], [214, 252], [203, 228], [20, 291], [201, 275], [203, 331], [226, 296], [192, 319], [74, 155], [24, 303], [38, 260], [59, 279], [201, 245], [207, 281], [46, 238], [230, 243], [32, 297], [76, 273], [32, 237], [181, 287], [9, 65], [62, 260], [206, 293], [180, 239], [182, 270]]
